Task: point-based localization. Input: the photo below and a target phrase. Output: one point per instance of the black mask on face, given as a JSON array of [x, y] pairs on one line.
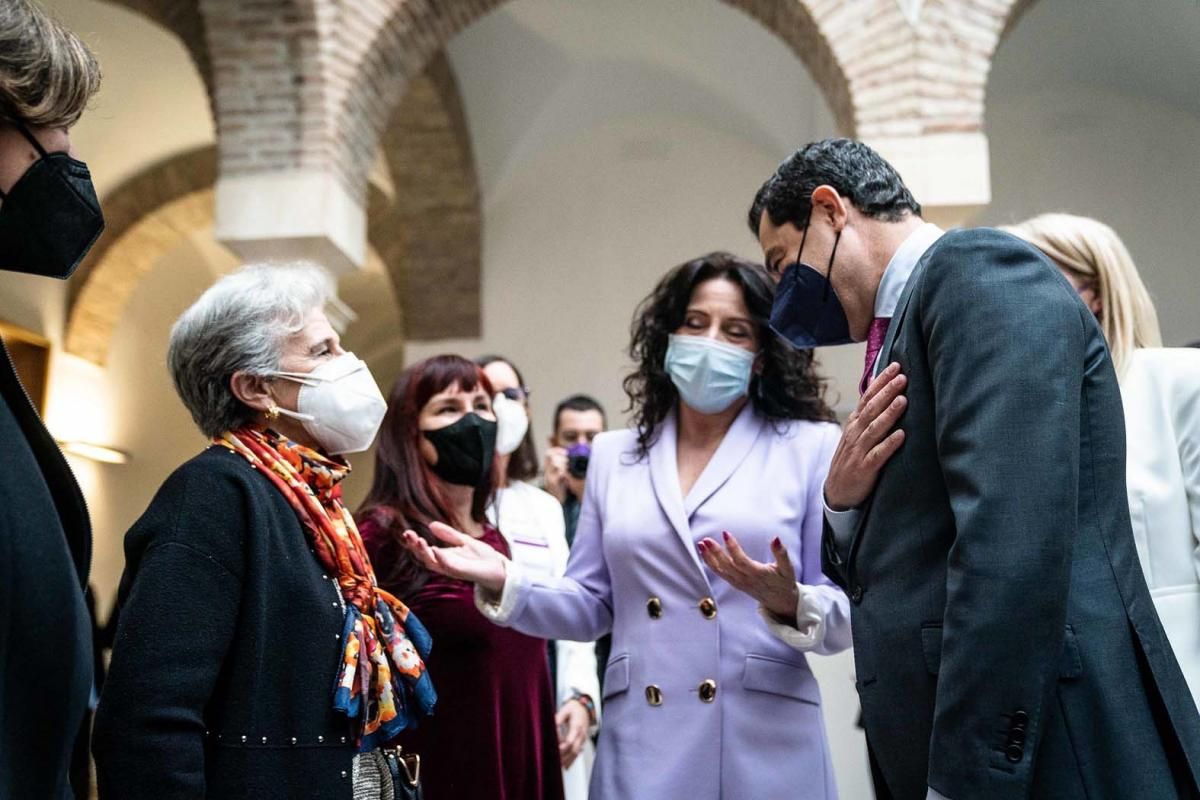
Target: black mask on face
[[51, 217], [464, 450]]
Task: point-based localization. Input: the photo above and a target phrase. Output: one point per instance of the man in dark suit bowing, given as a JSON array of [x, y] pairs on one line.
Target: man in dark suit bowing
[[1004, 638]]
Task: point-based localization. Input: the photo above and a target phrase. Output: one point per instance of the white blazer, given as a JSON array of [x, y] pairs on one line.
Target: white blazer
[[1161, 393], [531, 521]]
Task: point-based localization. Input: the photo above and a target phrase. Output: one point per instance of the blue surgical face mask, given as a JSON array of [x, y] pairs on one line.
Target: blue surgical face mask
[[710, 375], [807, 311]]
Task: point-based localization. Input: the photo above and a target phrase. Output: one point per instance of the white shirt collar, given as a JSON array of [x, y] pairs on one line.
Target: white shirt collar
[[903, 262]]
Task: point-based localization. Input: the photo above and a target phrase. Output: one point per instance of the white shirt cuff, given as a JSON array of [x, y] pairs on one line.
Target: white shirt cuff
[[809, 630], [499, 611], [843, 524], [934, 794]]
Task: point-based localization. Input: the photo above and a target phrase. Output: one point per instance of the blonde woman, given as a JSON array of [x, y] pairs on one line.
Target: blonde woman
[[1160, 388]]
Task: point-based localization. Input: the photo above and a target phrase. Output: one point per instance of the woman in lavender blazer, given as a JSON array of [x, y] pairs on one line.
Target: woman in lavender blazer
[[707, 693]]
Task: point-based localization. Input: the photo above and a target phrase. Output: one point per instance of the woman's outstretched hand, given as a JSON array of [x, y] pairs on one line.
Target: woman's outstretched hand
[[461, 556], [772, 585]]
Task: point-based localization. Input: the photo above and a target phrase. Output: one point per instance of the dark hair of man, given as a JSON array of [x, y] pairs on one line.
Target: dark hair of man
[[857, 172], [787, 388], [578, 402], [404, 493], [523, 465]]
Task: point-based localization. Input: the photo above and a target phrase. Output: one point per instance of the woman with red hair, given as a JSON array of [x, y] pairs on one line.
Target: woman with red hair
[[493, 733]]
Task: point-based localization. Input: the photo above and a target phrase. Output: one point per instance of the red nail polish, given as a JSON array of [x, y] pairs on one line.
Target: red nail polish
[[778, 545], [726, 535]]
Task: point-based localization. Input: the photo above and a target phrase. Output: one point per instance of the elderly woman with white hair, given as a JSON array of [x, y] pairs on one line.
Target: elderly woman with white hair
[[1160, 390], [256, 654]]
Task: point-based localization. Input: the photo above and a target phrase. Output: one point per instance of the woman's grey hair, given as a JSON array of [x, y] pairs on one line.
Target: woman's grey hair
[[240, 325]]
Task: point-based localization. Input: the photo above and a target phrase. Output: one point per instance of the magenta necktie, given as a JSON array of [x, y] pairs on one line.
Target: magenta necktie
[[875, 336]]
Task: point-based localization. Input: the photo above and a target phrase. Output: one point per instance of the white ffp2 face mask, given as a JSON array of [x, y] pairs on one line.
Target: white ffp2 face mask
[[512, 423], [339, 405]]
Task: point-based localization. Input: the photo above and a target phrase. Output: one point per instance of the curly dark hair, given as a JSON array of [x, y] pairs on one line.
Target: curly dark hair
[[787, 388], [856, 171]]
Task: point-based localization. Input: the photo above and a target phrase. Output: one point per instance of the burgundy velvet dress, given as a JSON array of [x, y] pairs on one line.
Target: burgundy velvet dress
[[492, 734]]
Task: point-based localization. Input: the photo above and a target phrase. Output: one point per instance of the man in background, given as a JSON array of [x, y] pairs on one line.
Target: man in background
[[49, 219], [577, 421]]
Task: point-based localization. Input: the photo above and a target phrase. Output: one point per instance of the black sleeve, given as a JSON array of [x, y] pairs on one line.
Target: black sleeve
[[833, 560], [180, 596], [1005, 339]]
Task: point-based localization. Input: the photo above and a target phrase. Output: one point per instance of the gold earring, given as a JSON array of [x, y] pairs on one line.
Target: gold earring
[[272, 413]]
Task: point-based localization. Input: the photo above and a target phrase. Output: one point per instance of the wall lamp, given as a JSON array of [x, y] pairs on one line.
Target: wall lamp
[[95, 452]]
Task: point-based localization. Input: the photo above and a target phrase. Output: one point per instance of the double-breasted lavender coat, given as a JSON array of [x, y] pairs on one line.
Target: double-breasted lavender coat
[[701, 700]]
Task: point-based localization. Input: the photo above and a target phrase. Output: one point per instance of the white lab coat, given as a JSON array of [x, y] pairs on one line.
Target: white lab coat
[[531, 521]]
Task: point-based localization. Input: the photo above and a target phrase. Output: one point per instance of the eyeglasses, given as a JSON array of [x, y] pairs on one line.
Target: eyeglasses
[[517, 393], [1087, 286]]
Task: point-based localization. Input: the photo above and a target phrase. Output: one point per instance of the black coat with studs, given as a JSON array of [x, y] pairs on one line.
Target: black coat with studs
[[225, 658]]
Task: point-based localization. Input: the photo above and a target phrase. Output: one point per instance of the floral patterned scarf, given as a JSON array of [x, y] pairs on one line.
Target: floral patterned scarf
[[382, 685]]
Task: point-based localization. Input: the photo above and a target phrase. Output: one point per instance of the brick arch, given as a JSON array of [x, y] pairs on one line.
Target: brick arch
[[146, 216], [428, 235], [182, 18], [1016, 9], [437, 222], [304, 91], [406, 34], [917, 68], [267, 67]]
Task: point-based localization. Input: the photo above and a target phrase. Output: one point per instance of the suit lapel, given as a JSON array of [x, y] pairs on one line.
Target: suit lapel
[[885, 352], [664, 476], [885, 357], [732, 451], [664, 473]]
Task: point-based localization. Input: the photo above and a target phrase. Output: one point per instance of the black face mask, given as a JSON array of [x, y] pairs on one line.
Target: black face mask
[[51, 217], [807, 311], [464, 450]]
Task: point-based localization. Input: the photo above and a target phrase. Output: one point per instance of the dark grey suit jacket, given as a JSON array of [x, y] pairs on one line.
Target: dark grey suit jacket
[[1005, 641]]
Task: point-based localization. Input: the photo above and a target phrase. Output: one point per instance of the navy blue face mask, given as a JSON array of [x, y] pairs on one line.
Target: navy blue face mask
[[806, 310]]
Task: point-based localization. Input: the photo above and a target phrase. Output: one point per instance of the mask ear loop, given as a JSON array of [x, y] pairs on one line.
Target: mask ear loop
[[33, 140], [829, 269], [302, 378], [281, 411], [804, 233]]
